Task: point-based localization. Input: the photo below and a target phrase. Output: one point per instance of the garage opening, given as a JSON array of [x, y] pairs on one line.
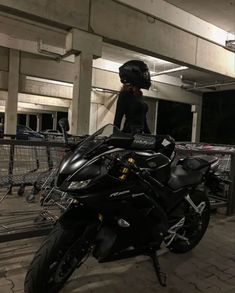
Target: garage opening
[[175, 119], [218, 120]]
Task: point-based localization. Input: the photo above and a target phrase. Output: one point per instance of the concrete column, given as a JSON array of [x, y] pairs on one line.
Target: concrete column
[[86, 45], [196, 124], [54, 116], [39, 122], [27, 120], [13, 87], [79, 115]]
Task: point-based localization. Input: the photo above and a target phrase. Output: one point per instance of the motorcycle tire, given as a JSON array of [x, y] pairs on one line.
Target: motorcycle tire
[[55, 261], [195, 224]]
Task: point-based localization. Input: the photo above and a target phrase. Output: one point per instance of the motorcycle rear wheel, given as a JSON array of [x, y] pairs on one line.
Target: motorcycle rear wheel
[[195, 224], [55, 261]]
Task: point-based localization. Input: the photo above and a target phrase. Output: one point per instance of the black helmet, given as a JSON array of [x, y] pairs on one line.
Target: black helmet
[[135, 72]]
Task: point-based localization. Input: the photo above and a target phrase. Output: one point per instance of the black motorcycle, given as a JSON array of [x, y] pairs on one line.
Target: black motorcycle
[[128, 199]]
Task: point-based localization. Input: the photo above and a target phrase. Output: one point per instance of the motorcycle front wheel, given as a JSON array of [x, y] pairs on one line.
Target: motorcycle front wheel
[[55, 261], [195, 224]]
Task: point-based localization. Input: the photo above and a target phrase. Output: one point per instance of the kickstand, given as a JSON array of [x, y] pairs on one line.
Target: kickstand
[[160, 275]]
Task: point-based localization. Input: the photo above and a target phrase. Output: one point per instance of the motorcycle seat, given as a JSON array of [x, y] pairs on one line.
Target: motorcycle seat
[[180, 177], [197, 162]]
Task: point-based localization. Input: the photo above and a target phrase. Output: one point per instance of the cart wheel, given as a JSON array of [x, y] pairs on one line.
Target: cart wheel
[[9, 191], [31, 198], [44, 217], [40, 219], [21, 190]]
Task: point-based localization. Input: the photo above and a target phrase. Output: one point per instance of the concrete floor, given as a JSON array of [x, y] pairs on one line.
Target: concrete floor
[[209, 268]]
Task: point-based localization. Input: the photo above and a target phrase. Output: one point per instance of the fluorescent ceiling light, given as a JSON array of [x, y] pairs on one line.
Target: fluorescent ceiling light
[[49, 81], [97, 89], [176, 69]]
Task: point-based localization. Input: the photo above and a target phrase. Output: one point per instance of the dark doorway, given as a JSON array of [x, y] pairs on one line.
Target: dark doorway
[[47, 121], [22, 119], [175, 119], [33, 122], [2, 117], [218, 117]]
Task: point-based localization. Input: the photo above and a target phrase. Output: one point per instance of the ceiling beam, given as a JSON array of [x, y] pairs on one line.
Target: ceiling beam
[[148, 35], [43, 88], [35, 108], [177, 17], [39, 100], [20, 34], [59, 13], [21, 110]]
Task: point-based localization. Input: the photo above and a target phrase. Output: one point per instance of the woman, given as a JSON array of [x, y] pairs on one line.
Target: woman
[[134, 75]]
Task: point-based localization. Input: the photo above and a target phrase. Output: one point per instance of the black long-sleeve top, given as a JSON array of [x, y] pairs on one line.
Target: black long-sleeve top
[[135, 110]]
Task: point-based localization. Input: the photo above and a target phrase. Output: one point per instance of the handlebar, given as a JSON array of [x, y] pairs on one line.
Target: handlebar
[[143, 175]]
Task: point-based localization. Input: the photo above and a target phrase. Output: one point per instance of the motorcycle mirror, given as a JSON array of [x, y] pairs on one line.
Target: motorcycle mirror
[[64, 124]]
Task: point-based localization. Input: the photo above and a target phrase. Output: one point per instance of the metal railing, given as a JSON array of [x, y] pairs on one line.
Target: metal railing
[[21, 164], [22, 161]]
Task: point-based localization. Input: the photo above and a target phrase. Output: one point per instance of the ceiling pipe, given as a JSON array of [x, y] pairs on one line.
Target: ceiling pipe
[[180, 68], [188, 88]]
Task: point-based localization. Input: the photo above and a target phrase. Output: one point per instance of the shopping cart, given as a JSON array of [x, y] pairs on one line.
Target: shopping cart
[[224, 195], [22, 162]]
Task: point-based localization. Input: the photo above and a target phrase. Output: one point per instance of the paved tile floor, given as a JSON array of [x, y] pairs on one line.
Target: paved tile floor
[[209, 268]]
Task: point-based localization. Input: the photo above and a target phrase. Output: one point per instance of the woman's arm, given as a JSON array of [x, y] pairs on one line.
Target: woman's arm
[[120, 111], [146, 128]]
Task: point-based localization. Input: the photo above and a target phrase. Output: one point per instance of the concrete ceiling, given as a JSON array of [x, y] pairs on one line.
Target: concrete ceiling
[[218, 12], [121, 55], [188, 76]]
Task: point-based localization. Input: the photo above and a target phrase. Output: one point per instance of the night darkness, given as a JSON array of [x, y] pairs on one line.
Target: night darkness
[[47, 121], [175, 119], [218, 118]]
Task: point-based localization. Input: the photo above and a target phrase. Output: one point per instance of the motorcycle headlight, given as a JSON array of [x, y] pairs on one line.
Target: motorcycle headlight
[[78, 184]]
